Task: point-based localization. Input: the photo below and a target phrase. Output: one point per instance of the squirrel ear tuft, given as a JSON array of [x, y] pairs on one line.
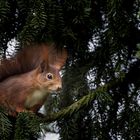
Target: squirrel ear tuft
[[42, 66]]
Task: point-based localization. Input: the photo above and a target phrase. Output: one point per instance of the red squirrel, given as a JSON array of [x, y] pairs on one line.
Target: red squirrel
[[29, 76]]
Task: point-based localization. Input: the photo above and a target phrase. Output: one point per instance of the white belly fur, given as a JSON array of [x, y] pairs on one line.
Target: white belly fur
[[36, 97]]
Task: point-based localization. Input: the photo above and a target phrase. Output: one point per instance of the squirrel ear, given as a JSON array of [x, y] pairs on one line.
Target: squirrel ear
[[42, 66]]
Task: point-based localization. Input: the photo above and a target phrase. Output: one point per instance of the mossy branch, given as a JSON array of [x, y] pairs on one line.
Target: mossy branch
[[84, 101]]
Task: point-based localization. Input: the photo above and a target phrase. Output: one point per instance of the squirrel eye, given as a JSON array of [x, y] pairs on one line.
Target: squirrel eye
[[49, 76]]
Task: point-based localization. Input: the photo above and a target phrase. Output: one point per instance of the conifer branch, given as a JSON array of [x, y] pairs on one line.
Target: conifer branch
[[84, 101]]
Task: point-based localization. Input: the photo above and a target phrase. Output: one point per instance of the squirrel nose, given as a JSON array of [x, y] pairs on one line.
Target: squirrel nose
[[59, 88]]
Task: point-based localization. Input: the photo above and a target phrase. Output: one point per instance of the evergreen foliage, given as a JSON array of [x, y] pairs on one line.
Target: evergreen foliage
[[5, 125], [27, 127], [101, 80]]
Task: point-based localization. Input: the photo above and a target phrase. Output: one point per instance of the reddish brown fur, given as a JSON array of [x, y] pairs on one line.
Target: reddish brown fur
[[24, 84], [18, 93]]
